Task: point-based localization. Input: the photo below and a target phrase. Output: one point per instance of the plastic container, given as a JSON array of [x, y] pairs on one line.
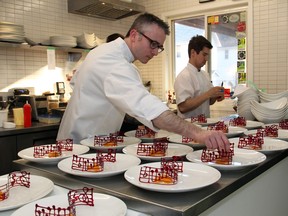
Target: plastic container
[[49, 119], [27, 115], [18, 116], [3, 116]]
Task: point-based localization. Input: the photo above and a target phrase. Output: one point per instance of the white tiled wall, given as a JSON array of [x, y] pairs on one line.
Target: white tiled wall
[[41, 19], [271, 44], [44, 18]]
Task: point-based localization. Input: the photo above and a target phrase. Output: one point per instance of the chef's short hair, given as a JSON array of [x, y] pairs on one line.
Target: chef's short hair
[[113, 37], [197, 43], [148, 18]]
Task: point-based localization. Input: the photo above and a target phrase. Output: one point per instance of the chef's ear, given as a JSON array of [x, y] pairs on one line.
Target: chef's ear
[[133, 34]]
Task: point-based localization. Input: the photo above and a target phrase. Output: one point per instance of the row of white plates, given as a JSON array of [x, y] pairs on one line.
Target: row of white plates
[[10, 32], [85, 40]]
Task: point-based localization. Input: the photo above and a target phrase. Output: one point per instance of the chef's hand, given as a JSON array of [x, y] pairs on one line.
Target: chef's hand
[[213, 139], [216, 92]]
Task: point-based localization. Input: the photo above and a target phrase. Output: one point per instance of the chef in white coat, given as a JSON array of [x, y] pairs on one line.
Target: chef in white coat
[[193, 88], [109, 86]]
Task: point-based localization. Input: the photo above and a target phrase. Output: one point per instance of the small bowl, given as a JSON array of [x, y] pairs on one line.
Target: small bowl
[[49, 119], [9, 125]]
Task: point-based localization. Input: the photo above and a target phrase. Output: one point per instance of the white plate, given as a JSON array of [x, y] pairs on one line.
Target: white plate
[[210, 121], [102, 206], [253, 124], [126, 141], [194, 177], [28, 154], [20, 195], [282, 134], [242, 158], [159, 134], [233, 131], [270, 144], [173, 150], [176, 138], [123, 162]]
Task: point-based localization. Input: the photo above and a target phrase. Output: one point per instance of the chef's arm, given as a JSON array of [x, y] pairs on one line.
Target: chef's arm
[[193, 103], [213, 94], [171, 122]]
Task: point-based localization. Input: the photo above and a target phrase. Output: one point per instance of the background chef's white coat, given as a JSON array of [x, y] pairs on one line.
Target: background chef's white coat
[[191, 83], [108, 86]]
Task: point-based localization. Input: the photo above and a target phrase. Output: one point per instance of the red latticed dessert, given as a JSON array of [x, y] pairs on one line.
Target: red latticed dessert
[[18, 178], [253, 142], [87, 164], [66, 145], [157, 149], [219, 126], [217, 156], [271, 131], [239, 121], [108, 141], [93, 164], [283, 124], [53, 150], [75, 197], [187, 140], [144, 132], [200, 119], [166, 174]]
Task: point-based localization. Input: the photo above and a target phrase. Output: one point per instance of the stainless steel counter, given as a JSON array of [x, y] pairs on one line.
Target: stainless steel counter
[[156, 203]]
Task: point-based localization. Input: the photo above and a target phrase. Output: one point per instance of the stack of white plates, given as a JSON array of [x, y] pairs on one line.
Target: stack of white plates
[[63, 41], [10, 32], [266, 97], [270, 112], [245, 95], [99, 41], [86, 40]]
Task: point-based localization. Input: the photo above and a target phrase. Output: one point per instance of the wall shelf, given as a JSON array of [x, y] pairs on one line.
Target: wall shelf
[[43, 48]]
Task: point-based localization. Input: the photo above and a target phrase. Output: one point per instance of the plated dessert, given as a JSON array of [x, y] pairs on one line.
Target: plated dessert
[[20, 187]]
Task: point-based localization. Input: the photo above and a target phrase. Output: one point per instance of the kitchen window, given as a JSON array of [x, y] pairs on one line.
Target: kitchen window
[[226, 30]]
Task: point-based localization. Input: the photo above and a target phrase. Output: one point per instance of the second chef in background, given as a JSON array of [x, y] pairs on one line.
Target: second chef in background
[[193, 88]]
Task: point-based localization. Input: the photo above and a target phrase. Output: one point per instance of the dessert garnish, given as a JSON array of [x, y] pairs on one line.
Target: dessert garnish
[[166, 174], [218, 156], [219, 126], [95, 164], [271, 131], [283, 124], [76, 197], [187, 140], [108, 141], [66, 145], [17, 178], [53, 150], [200, 119], [157, 149], [144, 132], [253, 142], [239, 121]]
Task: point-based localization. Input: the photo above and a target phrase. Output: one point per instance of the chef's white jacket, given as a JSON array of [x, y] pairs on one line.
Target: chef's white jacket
[[191, 83], [108, 86]]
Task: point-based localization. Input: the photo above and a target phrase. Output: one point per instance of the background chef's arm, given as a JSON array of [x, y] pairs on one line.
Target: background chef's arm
[[193, 103]]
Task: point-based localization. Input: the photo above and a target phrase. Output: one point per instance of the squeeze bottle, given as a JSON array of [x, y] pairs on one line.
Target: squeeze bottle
[[27, 115]]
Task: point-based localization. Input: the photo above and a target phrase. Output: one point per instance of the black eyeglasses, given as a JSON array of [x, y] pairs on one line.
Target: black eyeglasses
[[153, 44]]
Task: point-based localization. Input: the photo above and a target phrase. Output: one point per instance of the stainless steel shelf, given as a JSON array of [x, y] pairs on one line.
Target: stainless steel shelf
[[41, 48]]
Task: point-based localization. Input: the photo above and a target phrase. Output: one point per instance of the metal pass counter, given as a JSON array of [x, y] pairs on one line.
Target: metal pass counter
[[202, 201]]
